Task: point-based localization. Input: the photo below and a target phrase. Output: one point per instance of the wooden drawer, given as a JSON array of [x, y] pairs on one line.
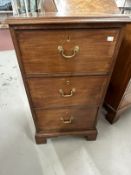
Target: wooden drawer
[[39, 50], [67, 119], [67, 91]]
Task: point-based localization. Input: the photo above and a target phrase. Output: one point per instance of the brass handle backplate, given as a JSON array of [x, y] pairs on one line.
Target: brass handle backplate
[[67, 95], [67, 121], [74, 52]]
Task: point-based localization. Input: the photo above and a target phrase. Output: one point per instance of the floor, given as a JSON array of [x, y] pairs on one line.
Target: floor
[[110, 154]]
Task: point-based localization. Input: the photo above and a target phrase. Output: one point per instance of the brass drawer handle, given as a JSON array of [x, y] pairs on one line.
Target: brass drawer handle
[[67, 95], [75, 51], [67, 121]]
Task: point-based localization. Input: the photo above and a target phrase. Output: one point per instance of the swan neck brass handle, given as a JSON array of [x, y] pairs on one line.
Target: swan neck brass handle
[[67, 95], [67, 121], [74, 52]]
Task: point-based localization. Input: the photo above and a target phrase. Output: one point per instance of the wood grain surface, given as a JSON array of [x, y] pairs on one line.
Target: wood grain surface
[[39, 50], [86, 7], [115, 101], [50, 120], [74, 11], [45, 91]]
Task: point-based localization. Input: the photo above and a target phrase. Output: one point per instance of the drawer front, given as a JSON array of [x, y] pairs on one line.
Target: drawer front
[[67, 91], [65, 51], [67, 119]]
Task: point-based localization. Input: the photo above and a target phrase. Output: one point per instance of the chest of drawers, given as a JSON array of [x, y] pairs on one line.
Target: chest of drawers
[[66, 59]]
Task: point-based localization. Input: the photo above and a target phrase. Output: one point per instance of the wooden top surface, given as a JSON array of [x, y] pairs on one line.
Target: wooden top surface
[[86, 7], [60, 11]]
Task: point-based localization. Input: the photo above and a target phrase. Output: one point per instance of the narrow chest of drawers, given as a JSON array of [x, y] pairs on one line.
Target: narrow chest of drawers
[[66, 72], [66, 59]]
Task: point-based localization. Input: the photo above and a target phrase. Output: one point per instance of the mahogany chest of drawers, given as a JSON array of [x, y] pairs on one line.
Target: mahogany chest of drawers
[[66, 58]]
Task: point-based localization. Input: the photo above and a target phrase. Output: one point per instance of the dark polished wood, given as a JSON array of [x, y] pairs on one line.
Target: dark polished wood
[[87, 90], [66, 119], [75, 11], [118, 97], [44, 58], [90, 135], [66, 59]]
